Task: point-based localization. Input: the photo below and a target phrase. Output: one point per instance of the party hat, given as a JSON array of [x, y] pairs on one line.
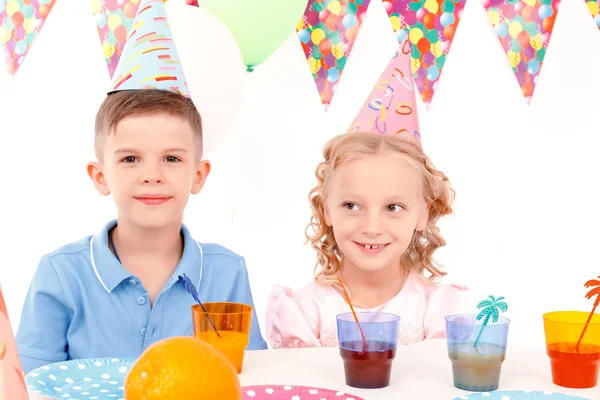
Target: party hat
[[150, 59], [12, 384], [391, 108]]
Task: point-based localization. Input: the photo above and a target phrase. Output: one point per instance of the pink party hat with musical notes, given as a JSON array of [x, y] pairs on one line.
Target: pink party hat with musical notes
[[150, 59], [391, 108], [12, 384]]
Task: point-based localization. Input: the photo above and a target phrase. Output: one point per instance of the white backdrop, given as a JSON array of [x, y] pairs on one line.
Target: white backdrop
[[526, 176]]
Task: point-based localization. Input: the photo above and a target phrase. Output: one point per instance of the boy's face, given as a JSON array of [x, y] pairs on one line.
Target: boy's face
[[150, 165]]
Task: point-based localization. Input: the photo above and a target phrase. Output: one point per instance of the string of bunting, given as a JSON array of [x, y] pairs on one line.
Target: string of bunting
[[328, 30]]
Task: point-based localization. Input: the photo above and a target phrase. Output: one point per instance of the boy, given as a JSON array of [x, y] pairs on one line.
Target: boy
[[118, 292]]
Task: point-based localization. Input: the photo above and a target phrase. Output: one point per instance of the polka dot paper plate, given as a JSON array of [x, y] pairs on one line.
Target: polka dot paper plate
[[89, 379], [519, 395], [293, 393]]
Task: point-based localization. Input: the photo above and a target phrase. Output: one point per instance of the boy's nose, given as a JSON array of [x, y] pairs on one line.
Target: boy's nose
[[152, 179], [152, 176]]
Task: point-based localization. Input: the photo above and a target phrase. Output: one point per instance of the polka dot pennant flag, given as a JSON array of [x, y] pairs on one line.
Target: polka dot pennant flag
[[20, 23], [327, 32], [594, 6], [114, 19], [430, 26], [524, 28]]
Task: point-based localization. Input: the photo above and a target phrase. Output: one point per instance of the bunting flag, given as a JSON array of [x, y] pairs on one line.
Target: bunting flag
[[327, 32], [20, 24], [524, 28], [114, 19], [594, 9], [430, 26]]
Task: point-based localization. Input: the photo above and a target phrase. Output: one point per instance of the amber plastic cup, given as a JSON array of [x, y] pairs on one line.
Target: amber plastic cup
[[233, 322], [573, 366]]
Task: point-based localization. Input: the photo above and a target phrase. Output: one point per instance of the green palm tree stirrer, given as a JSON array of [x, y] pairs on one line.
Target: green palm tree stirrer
[[491, 309], [595, 283]]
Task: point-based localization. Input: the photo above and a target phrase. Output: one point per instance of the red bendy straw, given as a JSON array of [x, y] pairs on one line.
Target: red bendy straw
[[347, 297]]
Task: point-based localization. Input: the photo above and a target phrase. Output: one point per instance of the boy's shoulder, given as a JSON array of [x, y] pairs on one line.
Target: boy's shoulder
[[221, 258], [75, 249], [217, 251]]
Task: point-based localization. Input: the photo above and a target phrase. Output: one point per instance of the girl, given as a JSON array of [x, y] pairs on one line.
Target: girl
[[375, 210], [374, 220]]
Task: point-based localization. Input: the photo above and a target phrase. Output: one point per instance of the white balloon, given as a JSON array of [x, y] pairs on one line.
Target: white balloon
[[213, 66]]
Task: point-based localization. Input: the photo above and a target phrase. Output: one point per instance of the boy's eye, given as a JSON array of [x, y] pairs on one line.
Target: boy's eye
[[129, 159], [172, 159], [395, 207]]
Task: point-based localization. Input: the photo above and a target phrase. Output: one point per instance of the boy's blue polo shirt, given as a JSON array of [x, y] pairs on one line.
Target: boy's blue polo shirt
[[82, 303]]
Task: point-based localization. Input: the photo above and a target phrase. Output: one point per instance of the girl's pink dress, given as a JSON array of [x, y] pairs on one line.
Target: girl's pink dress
[[307, 318]]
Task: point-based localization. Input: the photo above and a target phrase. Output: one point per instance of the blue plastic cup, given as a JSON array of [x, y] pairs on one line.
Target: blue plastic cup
[[370, 367], [476, 368]]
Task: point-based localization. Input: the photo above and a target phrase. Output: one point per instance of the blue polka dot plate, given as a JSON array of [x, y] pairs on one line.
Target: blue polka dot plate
[[88, 379], [519, 395]]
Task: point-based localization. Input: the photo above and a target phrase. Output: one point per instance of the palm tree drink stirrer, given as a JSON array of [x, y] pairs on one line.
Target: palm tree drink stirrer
[[491, 308], [595, 284]]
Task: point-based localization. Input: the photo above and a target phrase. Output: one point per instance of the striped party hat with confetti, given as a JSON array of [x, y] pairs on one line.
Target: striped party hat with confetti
[[150, 59]]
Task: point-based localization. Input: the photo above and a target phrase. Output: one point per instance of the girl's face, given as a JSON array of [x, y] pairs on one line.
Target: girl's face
[[374, 205]]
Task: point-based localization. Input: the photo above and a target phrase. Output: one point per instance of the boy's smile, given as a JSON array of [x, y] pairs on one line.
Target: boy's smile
[[152, 199]]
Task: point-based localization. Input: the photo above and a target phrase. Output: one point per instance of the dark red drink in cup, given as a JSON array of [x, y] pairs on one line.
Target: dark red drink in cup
[[370, 366]]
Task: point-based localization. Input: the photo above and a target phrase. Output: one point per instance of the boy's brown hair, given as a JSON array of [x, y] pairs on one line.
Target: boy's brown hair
[[132, 103]]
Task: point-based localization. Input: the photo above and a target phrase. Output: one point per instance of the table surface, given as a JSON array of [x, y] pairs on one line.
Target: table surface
[[422, 371]]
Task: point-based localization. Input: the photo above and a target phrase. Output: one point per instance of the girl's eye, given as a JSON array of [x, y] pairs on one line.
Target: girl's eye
[[395, 207], [351, 206]]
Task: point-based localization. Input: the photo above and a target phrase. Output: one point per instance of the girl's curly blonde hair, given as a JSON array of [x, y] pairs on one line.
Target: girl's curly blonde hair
[[435, 187]]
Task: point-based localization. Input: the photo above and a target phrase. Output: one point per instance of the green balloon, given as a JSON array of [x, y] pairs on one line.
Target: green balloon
[[341, 63], [448, 6], [258, 26], [439, 62], [415, 53], [531, 28], [416, 5], [540, 54], [432, 36]]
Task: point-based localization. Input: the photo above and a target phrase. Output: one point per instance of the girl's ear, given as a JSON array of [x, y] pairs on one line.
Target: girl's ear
[[423, 219]]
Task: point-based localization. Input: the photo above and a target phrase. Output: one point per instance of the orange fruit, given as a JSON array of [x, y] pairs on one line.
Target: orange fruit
[[182, 368]]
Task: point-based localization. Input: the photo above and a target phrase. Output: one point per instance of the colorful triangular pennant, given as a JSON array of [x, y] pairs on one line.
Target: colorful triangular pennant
[[20, 24], [524, 29], [114, 20], [430, 26], [327, 32]]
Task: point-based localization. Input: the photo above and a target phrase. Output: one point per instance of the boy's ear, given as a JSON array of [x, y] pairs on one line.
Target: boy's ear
[[202, 172], [94, 170]]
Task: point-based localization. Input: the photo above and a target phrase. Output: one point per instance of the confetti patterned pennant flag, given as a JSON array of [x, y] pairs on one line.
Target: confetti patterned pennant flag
[[114, 19], [20, 24], [327, 31], [524, 28], [430, 26], [595, 10], [150, 59]]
